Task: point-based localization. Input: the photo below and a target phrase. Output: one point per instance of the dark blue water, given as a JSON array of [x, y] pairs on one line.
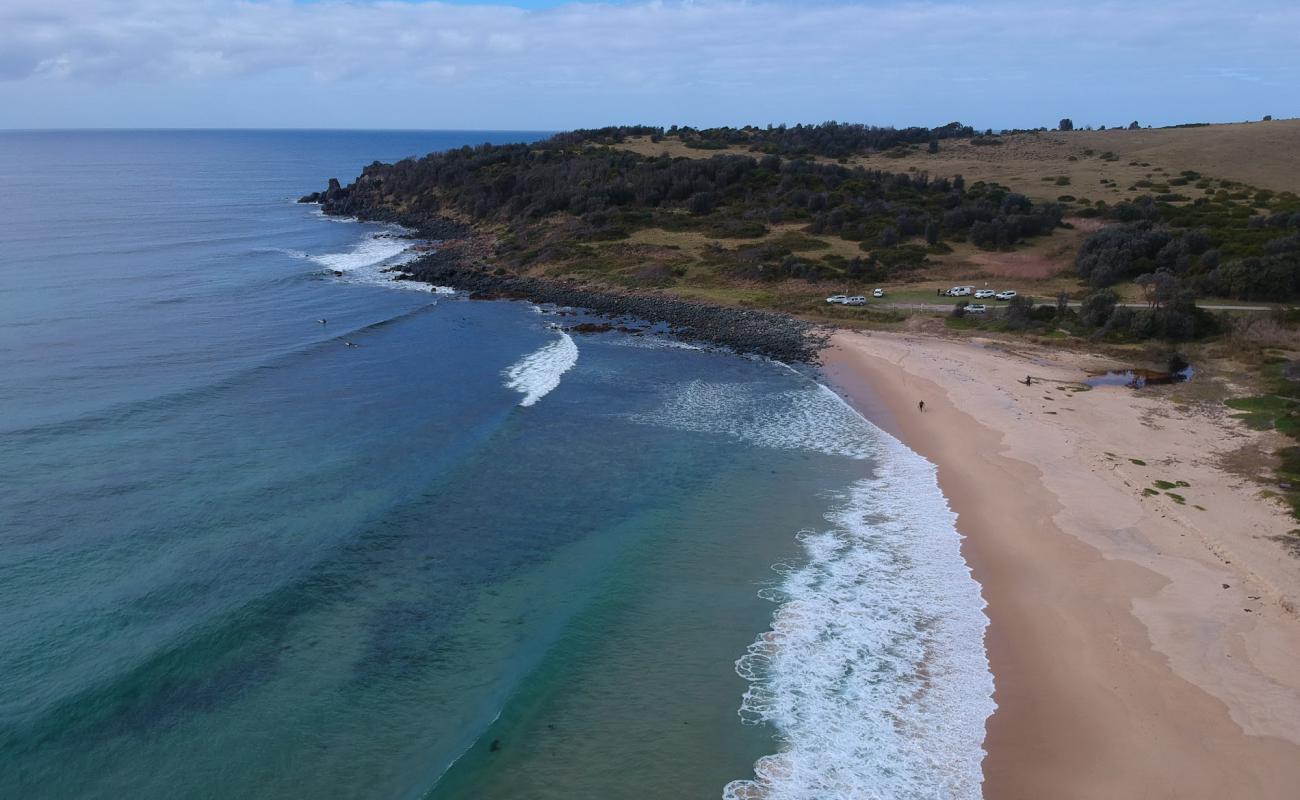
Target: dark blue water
[[428, 547]]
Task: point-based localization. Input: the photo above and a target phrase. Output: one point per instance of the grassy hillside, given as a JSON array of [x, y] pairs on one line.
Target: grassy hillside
[[1261, 154], [780, 217]]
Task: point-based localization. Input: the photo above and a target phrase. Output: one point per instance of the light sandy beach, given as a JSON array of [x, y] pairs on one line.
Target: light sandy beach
[[1141, 648]]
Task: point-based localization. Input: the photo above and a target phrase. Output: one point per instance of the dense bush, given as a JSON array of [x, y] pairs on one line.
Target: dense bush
[[1217, 245], [1119, 252]]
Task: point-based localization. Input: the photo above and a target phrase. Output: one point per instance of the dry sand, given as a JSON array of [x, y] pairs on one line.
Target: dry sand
[[1124, 667]]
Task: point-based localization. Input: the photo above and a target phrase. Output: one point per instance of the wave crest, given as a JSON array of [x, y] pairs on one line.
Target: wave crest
[[538, 373], [371, 260]]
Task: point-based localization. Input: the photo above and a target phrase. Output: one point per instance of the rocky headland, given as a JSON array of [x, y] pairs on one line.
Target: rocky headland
[[462, 261]]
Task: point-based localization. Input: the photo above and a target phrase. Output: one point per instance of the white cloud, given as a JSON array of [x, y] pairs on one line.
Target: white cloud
[[700, 57]]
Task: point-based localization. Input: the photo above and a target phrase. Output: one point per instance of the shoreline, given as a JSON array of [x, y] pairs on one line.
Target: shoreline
[[1122, 668], [460, 262], [1135, 650]]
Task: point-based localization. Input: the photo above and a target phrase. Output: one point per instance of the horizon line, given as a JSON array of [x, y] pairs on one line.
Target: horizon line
[[293, 129]]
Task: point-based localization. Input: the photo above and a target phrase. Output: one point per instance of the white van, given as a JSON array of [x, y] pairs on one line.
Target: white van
[[960, 291]]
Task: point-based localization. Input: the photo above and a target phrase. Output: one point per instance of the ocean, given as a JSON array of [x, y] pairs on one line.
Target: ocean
[[273, 525]]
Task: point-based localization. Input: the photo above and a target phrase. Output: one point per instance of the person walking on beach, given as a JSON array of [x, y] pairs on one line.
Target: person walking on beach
[[921, 406]]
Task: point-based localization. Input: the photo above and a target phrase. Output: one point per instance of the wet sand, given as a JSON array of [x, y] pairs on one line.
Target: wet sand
[[1124, 668]]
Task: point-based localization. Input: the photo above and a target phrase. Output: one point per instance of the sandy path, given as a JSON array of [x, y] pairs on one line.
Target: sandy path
[[1124, 668]]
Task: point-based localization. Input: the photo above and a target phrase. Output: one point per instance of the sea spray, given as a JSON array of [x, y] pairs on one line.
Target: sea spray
[[374, 259], [538, 373]]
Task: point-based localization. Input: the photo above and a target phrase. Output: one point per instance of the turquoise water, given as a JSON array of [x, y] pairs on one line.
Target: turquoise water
[[470, 556]]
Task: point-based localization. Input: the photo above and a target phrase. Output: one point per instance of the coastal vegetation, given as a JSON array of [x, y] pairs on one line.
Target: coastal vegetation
[[557, 205], [1277, 408], [829, 139], [1242, 244], [778, 217]]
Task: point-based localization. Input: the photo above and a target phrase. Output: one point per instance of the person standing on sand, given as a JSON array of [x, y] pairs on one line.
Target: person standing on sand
[[921, 406]]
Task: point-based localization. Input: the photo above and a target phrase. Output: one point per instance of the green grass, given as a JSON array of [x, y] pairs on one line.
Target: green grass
[[969, 322], [1138, 461], [1149, 492], [1278, 410], [1177, 498], [1262, 403]]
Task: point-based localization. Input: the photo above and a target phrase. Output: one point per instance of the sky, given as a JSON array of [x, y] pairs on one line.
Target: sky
[[552, 65]]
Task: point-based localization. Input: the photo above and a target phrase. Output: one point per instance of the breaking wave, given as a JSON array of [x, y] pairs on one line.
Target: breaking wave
[[802, 419], [873, 675], [372, 260], [537, 373]]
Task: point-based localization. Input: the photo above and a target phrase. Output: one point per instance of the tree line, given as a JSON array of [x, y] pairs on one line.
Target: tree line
[[828, 139]]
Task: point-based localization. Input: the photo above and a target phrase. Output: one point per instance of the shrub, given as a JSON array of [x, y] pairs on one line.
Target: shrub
[[1097, 308], [1119, 252]]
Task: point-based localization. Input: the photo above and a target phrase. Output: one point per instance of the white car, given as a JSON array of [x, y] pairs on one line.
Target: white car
[[983, 293], [857, 300], [1006, 295], [878, 293], [838, 299], [976, 308]]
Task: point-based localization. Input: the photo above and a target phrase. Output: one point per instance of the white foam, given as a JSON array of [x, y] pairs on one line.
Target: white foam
[[370, 251], [874, 674], [372, 259], [653, 342], [812, 418], [538, 373]]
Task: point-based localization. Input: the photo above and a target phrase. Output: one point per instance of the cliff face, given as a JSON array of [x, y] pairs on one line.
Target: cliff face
[[370, 198]]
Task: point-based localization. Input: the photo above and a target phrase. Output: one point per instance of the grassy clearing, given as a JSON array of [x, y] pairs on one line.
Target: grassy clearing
[[1278, 409], [1268, 412]]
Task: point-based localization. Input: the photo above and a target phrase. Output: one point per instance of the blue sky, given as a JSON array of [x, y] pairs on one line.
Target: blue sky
[[543, 64]]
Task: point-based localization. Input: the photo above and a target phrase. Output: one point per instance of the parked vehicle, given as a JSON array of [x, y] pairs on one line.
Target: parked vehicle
[[960, 291], [976, 308], [837, 299], [983, 293], [878, 293], [857, 300], [1006, 295]]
